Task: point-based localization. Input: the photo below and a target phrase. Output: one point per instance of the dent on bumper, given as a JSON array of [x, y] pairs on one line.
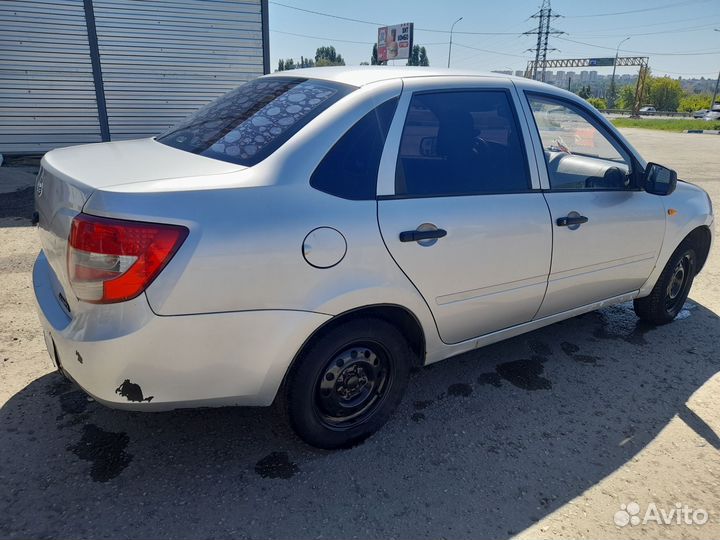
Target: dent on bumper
[[216, 359]]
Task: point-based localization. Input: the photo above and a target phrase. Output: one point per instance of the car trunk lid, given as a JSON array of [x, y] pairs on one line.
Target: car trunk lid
[[68, 177]]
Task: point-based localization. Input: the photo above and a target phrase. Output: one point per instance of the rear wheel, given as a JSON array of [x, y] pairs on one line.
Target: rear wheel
[[672, 288], [348, 383]]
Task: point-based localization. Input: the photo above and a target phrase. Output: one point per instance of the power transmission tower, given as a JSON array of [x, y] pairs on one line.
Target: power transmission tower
[[543, 31]]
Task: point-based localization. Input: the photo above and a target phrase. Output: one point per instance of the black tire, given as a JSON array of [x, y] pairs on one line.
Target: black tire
[[672, 288], [348, 382]]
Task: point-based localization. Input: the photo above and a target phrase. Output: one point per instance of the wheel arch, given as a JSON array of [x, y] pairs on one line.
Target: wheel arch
[[701, 239], [399, 316]]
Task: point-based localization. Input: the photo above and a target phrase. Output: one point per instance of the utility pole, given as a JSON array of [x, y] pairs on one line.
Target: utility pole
[[715, 93], [451, 31], [611, 101], [544, 31]]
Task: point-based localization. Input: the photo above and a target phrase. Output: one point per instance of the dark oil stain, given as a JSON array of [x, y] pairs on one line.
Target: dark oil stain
[[79, 358], [417, 417], [459, 389], [73, 402], [569, 348], [132, 392], [276, 465], [540, 347], [420, 405], [525, 373], [585, 359], [105, 450], [490, 378], [74, 420]]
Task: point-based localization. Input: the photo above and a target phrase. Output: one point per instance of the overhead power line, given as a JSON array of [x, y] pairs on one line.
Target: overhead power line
[[321, 37], [636, 26], [488, 50], [654, 8], [685, 53], [332, 39], [374, 23], [327, 14], [668, 31]]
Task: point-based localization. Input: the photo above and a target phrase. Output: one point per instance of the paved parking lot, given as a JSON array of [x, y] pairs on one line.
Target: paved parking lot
[[543, 436]]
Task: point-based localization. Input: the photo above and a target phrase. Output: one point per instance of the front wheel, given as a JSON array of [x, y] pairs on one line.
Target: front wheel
[[671, 290], [348, 383]]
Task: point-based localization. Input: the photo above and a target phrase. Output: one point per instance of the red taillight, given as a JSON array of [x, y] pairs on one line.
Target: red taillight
[[112, 260]]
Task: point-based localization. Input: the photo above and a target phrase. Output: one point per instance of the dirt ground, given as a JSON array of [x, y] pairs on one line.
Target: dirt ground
[[567, 432]]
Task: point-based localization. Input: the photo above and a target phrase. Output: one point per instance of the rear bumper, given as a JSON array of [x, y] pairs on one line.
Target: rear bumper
[[127, 357]]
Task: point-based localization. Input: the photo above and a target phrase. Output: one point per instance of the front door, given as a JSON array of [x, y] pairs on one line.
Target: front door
[[459, 209], [607, 232]]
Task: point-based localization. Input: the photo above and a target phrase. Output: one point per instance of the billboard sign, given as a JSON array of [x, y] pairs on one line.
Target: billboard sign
[[395, 42]]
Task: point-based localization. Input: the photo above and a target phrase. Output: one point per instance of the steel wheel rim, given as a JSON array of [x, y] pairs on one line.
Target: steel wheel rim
[[677, 283], [352, 385]]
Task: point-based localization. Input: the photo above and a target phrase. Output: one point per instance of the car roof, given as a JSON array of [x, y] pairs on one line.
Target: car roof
[[362, 75]]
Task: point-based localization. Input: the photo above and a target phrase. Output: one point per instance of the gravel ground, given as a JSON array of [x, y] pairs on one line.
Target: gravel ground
[[542, 436]]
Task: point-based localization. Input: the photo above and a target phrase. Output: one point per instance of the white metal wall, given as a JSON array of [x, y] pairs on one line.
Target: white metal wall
[[47, 96], [159, 61], [162, 59]]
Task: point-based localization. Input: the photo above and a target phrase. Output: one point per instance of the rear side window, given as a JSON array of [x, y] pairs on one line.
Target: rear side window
[[249, 123], [461, 143], [350, 168]]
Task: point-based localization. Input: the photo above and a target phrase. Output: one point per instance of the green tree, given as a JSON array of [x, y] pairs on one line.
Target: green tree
[[598, 103], [414, 59], [664, 93], [626, 97], [286, 65], [694, 102], [585, 92], [374, 58], [306, 62], [424, 60], [327, 56]]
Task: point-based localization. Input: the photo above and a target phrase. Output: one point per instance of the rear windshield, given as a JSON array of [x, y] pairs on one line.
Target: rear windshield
[[249, 123]]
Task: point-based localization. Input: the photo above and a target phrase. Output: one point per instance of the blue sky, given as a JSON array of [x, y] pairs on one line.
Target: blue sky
[[678, 35]]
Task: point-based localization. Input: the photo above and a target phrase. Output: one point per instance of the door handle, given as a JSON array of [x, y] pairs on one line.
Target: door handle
[[417, 236], [569, 221]]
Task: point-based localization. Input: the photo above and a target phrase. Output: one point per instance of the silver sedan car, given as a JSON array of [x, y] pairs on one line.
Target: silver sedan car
[[311, 236]]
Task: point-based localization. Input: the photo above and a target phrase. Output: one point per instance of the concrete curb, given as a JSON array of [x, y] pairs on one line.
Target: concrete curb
[[705, 131]]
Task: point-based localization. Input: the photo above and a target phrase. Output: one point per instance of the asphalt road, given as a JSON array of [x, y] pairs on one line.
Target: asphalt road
[[544, 435]]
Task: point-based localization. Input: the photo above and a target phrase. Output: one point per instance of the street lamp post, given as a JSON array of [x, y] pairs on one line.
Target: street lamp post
[[451, 31], [712, 103], [611, 105]]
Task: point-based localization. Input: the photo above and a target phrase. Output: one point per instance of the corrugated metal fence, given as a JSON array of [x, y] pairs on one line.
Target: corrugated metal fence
[[77, 71]]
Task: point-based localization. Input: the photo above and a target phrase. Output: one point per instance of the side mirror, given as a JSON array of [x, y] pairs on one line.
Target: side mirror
[[659, 180]]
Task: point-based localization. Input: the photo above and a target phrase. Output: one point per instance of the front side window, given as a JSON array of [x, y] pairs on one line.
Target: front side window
[[461, 143], [579, 154], [249, 123]]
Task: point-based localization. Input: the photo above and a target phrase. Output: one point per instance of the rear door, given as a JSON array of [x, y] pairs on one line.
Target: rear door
[[460, 208], [607, 231]]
